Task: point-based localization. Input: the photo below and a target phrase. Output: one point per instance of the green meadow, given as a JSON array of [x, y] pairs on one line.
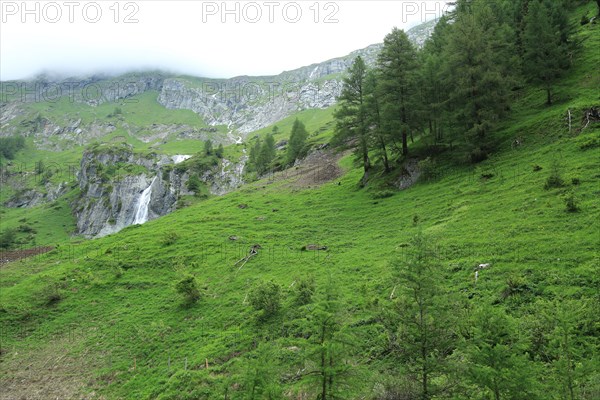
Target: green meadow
[[105, 318]]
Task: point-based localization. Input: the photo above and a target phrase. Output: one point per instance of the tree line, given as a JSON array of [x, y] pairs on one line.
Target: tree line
[[263, 153], [459, 85]]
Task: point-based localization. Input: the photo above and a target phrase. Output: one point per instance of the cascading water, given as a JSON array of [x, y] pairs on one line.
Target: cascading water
[[239, 170], [141, 208]]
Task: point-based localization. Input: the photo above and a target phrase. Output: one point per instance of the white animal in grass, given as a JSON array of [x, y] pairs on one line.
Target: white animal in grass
[[479, 268]]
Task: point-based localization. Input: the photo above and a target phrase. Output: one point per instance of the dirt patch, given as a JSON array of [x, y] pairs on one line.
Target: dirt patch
[[313, 247], [43, 374], [317, 168], [7, 256]]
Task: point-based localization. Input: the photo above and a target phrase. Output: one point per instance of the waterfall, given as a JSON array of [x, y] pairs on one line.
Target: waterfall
[[239, 170], [141, 208]]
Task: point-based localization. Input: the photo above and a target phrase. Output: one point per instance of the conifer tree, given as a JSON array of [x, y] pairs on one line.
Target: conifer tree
[[329, 345], [254, 153], [266, 154], [433, 84], [397, 65], [479, 64], [208, 147], [545, 43], [297, 142], [220, 151], [424, 318], [351, 115], [374, 118]]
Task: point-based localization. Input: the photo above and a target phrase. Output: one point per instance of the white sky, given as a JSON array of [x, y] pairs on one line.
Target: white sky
[[190, 36]]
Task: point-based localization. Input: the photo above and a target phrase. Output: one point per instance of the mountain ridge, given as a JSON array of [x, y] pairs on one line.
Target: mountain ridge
[[417, 34], [244, 103]]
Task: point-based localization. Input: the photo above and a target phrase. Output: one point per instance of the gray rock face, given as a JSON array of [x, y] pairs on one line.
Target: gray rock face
[[94, 90], [420, 33], [109, 202], [247, 104], [8, 112], [409, 174], [227, 177], [244, 104], [33, 197]]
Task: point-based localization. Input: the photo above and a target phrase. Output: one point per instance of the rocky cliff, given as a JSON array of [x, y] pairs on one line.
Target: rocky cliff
[[32, 197], [243, 104], [247, 104], [113, 181]]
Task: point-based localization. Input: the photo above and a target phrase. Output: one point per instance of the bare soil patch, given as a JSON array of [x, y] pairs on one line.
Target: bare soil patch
[[318, 168], [7, 256], [44, 374]]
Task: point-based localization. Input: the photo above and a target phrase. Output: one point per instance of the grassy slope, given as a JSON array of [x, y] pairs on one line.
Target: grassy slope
[[139, 111], [509, 220], [318, 124], [54, 222]]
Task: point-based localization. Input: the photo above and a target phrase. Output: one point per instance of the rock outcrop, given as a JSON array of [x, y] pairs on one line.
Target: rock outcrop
[[246, 104], [112, 180], [34, 197], [243, 104]]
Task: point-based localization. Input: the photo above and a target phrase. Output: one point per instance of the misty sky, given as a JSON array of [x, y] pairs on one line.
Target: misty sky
[[191, 37]]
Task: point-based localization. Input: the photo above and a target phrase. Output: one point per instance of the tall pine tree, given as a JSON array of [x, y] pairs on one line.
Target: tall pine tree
[[297, 144], [374, 118], [397, 65], [479, 63], [424, 319], [433, 85], [254, 153], [330, 341], [545, 43], [351, 114], [266, 155]]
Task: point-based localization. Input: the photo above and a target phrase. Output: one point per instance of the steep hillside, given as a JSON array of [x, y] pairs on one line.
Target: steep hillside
[[160, 116], [302, 275], [105, 315]]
